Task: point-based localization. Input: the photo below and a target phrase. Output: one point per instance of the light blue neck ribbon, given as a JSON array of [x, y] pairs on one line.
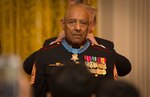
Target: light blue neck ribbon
[[74, 50]]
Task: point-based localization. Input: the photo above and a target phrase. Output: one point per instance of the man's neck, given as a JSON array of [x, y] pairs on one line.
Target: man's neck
[[75, 45], [76, 50]]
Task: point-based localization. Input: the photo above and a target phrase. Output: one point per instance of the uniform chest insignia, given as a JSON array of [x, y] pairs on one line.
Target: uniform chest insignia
[[74, 57], [96, 65]]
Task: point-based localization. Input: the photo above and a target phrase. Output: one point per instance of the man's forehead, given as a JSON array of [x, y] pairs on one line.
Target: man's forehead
[[77, 16], [77, 6], [77, 11]]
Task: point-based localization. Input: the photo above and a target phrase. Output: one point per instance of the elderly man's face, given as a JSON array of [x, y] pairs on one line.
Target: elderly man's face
[[76, 25]]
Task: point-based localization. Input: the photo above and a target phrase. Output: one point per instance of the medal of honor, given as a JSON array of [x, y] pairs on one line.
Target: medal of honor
[[74, 57]]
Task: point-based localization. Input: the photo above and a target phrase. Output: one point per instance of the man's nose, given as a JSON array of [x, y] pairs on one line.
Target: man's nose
[[78, 26]]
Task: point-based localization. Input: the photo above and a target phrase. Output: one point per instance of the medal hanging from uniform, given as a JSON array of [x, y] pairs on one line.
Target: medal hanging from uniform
[[75, 58], [74, 51], [74, 55]]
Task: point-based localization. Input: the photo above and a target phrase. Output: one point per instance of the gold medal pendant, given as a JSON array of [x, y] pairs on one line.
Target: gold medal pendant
[[74, 57]]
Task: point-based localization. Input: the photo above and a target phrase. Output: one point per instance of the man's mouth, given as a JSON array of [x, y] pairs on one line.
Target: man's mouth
[[77, 36]]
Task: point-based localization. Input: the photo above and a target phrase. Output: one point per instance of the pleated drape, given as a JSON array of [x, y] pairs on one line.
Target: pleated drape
[[25, 24]]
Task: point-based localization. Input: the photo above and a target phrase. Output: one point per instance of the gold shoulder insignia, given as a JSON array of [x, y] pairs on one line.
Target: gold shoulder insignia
[[53, 42], [115, 73]]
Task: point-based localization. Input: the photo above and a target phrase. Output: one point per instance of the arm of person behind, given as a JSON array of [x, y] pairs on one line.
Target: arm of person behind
[[123, 65], [60, 37], [29, 61], [49, 41]]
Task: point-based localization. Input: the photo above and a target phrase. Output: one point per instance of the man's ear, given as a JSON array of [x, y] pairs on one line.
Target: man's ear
[[62, 23], [93, 25]]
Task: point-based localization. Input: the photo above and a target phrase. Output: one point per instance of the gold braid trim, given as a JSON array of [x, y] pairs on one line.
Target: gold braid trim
[[33, 74], [115, 72]]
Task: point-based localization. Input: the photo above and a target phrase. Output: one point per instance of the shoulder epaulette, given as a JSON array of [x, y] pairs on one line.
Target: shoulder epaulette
[[100, 47], [51, 46]]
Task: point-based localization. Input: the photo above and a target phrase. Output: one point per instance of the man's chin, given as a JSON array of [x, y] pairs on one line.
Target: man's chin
[[77, 43], [76, 39]]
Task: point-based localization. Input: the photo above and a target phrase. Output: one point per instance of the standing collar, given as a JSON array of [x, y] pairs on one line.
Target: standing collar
[[74, 50]]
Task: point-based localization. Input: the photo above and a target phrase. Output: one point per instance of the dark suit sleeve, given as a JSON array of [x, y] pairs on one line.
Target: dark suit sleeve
[[28, 63], [123, 65], [108, 44]]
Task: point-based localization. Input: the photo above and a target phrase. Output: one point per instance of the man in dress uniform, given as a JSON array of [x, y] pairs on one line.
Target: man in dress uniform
[[121, 62], [99, 60]]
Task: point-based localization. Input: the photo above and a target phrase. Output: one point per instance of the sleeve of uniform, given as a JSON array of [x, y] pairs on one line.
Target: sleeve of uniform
[[38, 77]]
